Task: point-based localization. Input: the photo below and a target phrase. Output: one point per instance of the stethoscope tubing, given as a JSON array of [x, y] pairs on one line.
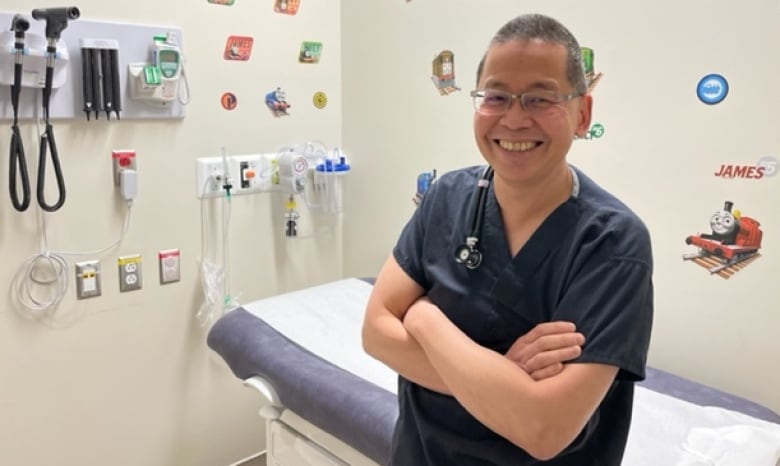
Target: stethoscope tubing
[[483, 186], [468, 253]]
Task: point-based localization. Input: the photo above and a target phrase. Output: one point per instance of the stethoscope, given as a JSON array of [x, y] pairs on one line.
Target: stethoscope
[[467, 253]]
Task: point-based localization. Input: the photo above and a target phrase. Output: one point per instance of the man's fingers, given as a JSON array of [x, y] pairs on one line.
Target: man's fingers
[[547, 372], [551, 342], [520, 352], [550, 358], [548, 328]]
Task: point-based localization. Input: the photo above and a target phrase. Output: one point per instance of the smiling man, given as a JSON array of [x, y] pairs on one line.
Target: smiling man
[[477, 306]]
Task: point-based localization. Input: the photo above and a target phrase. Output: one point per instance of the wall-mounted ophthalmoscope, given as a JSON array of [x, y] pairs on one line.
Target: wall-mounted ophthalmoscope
[[18, 159]]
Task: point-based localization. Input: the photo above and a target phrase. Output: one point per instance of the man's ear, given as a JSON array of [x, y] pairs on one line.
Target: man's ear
[[584, 112]]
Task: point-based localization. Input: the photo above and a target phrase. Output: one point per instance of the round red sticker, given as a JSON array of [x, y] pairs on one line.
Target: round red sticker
[[229, 101]]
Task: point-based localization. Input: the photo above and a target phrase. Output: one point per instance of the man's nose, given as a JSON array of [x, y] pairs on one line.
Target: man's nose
[[516, 115]]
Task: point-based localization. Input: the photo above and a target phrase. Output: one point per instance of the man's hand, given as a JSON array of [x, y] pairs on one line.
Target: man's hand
[[542, 351]]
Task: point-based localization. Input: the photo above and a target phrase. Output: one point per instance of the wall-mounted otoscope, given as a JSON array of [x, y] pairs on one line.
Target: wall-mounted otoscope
[[18, 160], [56, 21]]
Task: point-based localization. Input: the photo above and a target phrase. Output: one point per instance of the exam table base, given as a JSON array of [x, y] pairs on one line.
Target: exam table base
[[292, 441]]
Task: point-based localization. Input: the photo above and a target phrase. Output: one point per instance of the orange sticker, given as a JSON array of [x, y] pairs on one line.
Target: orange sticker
[[229, 101], [288, 7], [238, 48]]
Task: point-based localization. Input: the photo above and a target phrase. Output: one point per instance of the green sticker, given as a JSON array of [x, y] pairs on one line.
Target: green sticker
[[310, 52]]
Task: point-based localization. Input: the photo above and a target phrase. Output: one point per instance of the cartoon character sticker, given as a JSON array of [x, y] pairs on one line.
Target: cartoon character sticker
[[287, 7], [424, 182], [276, 101], [444, 73], [588, 64], [733, 243], [310, 52], [238, 48]]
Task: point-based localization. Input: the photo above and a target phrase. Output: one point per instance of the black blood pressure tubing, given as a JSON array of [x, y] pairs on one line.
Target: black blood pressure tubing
[[56, 21], [18, 161]]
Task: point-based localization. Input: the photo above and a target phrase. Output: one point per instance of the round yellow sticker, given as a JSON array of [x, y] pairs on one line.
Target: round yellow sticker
[[320, 99]]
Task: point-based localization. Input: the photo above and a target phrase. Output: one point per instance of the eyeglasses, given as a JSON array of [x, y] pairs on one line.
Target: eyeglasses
[[494, 102]]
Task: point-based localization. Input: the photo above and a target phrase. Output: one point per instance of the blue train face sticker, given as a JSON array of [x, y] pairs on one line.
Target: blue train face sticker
[[712, 89]]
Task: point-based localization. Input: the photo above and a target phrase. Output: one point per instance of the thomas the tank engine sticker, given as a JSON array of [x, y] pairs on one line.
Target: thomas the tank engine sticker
[[734, 242]]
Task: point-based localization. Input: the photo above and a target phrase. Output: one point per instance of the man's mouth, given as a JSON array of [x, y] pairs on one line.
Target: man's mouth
[[517, 146]]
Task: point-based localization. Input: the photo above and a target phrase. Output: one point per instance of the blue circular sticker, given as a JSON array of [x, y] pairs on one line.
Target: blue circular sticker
[[712, 89]]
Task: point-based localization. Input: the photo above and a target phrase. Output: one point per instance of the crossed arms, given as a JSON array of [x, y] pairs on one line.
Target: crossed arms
[[526, 395]]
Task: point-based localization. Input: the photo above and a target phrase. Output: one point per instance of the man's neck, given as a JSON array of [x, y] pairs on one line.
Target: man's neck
[[534, 200]]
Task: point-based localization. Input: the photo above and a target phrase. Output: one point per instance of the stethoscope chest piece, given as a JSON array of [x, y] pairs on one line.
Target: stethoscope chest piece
[[469, 256]]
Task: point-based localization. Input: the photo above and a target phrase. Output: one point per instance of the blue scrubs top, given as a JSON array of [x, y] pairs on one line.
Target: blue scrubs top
[[590, 263]]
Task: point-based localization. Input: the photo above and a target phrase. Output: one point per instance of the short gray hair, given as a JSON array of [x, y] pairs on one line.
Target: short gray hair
[[547, 29]]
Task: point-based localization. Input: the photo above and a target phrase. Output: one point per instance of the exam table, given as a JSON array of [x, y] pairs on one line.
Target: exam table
[[327, 403]]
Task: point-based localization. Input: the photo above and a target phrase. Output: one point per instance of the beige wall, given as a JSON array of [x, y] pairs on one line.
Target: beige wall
[[131, 381], [660, 149]]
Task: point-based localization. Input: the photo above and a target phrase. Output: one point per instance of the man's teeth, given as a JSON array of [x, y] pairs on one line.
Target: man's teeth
[[517, 146]]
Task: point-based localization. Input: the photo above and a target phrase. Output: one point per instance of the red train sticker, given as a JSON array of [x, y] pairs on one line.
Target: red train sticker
[[238, 48]]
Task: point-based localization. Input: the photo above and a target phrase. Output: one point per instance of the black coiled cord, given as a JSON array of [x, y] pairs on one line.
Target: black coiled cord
[[17, 158], [48, 144], [18, 161]]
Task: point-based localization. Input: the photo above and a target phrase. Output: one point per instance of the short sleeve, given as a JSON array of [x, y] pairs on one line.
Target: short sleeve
[[611, 303], [408, 251]]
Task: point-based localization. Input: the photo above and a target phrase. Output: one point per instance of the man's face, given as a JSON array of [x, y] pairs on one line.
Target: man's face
[[524, 146]]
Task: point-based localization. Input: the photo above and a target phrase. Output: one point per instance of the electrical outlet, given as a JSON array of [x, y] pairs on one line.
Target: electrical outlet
[[88, 279], [211, 173], [130, 272], [122, 160]]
